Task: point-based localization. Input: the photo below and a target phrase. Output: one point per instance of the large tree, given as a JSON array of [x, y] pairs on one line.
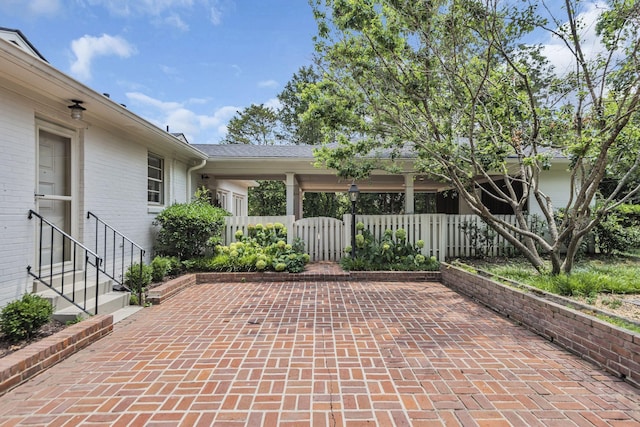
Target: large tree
[[293, 106], [464, 85], [256, 124]]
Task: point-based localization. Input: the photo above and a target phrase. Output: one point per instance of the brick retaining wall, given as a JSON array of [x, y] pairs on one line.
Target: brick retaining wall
[[615, 349], [26, 363]]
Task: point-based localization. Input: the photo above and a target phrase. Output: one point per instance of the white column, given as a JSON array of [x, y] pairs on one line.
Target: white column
[[300, 204], [291, 193], [408, 193]]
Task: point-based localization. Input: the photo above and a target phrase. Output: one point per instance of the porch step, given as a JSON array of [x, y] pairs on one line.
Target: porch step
[[105, 286], [108, 300], [107, 304]]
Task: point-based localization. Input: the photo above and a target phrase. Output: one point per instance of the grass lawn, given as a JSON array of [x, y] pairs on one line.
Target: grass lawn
[[608, 283]]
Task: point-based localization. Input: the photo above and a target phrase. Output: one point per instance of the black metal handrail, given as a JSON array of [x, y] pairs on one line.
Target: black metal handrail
[[115, 262], [79, 259]]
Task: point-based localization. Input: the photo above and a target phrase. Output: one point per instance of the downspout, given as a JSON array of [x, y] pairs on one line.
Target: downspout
[[189, 171]]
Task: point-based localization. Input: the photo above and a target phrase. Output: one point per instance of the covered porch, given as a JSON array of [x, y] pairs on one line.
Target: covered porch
[[294, 165]]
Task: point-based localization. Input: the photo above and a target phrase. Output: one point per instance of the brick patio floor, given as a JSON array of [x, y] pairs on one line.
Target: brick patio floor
[[321, 354]]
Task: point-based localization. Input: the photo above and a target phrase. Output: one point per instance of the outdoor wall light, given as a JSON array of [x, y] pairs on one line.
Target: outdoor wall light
[[354, 192], [76, 109]]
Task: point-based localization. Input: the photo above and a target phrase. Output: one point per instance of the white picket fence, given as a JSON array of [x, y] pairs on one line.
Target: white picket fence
[[444, 235]]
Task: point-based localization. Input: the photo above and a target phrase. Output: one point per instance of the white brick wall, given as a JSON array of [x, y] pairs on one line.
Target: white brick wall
[[112, 183], [17, 184]]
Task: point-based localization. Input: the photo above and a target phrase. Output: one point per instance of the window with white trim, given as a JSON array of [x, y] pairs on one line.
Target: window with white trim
[[238, 205], [155, 181], [222, 199]]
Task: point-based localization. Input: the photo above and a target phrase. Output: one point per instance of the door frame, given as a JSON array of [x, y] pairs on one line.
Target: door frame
[[72, 134]]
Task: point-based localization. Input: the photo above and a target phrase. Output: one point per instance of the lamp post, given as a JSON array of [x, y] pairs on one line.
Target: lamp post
[[354, 192]]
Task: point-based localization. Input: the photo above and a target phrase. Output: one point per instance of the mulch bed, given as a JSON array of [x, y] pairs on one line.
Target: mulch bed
[[7, 346]]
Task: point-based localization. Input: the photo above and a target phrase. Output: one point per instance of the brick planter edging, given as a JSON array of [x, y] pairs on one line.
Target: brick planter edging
[[29, 361], [161, 293], [165, 291], [614, 349], [345, 276]]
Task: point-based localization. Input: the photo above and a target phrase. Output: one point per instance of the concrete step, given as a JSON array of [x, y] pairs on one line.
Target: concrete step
[[107, 304], [64, 310], [56, 279]]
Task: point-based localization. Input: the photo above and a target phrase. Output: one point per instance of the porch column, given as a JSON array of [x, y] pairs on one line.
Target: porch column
[[292, 194], [300, 204], [408, 193]]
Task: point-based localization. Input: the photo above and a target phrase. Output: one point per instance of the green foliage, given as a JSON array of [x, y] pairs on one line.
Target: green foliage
[[264, 248], [619, 322], [619, 231], [187, 229], [333, 205], [162, 266], [459, 85], [389, 253], [75, 320], [22, 318], [268, 198], [256, 124], [293, 105], [481, 238], [611, 275], [138, 277]]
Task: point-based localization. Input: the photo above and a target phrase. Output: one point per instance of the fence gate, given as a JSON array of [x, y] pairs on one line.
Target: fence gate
[[323, 237]]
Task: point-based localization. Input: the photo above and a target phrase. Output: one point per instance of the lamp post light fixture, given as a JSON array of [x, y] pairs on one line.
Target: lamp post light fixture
[[76, 109], [354, 192]]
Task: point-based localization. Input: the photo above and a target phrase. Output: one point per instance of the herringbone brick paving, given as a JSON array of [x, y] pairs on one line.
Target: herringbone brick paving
[[321, 354]]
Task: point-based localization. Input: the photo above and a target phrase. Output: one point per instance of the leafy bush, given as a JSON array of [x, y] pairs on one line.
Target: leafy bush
[[387, 254], [161, 267], [619, 231], [264, 248], [138, 277], [188, 229], [21, 319]]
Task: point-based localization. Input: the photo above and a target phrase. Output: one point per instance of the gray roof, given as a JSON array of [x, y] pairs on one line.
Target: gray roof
[[302, 151], [256, 151]]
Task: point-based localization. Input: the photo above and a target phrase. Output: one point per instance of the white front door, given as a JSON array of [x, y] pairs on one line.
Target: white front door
[[54, 194]]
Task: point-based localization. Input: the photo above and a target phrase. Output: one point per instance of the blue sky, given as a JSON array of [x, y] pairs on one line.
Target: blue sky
[[189, 64]]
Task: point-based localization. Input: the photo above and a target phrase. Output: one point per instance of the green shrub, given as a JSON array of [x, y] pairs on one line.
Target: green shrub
[[393, 252], [138, 277], [264, 248], [618, 232], [188, 229], [161, 266], [21, 319]]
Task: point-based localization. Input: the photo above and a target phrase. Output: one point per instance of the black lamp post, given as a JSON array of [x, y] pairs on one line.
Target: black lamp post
[[354, 192]]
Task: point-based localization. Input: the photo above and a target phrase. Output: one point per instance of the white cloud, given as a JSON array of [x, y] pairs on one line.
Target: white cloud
[[273, 103], [199, 128], [174, 20], [44, 7], [559, 54], [147, 101], [176, 9], [268, 83], [237, 69], [31, 8], [216, 15], [87, 48]]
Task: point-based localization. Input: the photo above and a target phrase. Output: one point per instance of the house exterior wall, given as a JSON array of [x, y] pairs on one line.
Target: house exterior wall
[[17, 185], [554, 183], [115, 185], [115, 173], [110, 177], [236, 194]]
